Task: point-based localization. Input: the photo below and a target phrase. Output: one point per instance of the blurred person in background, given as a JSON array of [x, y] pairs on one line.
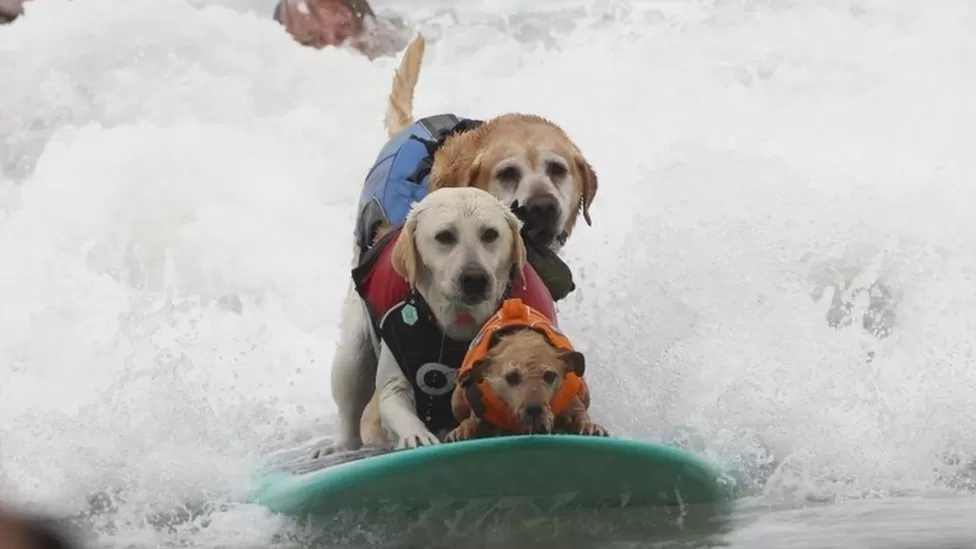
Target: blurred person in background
[[10, 10], [23, 531], [324, 23]]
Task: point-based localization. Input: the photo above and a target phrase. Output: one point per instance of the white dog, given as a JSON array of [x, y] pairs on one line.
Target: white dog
[[424, 292]]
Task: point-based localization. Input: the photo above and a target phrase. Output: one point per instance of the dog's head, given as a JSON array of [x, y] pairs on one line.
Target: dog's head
[[525, 372], [458, 249], [523, 159], [321, 23]]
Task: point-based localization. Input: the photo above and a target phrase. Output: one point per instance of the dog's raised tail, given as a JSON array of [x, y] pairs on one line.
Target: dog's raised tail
[[399, 111]]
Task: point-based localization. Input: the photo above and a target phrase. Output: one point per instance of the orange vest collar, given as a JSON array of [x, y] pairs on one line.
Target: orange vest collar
[[515, 314]]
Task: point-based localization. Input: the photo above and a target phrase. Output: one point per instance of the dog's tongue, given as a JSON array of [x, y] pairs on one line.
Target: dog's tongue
[[464, 318]]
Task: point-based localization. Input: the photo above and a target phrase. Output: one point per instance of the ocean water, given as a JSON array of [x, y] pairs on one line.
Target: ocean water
[[779, 275]]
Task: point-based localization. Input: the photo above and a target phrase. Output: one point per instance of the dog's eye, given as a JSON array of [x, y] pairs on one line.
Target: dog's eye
[[445, 237], [513, 378], [489, 236], [556, 170], [509, 174], [549, 377]]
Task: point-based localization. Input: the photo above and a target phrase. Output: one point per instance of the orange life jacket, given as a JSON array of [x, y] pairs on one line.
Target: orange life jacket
[[482, 401]]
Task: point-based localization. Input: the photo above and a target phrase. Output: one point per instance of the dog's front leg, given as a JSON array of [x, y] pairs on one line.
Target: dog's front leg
[[467, 430], [398, 408], [576, 419], [353, 371]]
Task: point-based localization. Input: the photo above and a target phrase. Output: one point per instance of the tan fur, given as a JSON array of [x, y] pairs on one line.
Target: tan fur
[[469, 159], [404, 254], [371, 424], [399, 110], [519, 252], [528, 355]]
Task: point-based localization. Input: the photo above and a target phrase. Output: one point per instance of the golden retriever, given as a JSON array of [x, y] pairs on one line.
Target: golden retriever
[[521, 158]]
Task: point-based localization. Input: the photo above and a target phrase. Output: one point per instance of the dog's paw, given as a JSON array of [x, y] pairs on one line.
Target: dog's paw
[[336, 448], [458, 434], [594, 430], [417, 440]]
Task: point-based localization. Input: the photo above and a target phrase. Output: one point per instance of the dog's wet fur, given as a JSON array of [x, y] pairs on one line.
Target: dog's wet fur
[[519, 159], [457, 249], [525, 372]]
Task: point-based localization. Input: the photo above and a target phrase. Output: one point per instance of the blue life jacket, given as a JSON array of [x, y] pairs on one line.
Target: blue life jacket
[[399, 176]]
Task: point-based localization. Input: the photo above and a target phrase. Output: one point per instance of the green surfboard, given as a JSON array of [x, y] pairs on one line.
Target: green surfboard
[[586, 472]]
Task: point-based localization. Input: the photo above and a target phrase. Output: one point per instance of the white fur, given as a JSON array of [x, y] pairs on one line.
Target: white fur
[[362, 365]]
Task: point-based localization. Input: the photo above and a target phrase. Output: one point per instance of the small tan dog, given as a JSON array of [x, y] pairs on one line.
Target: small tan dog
[[521, 375]]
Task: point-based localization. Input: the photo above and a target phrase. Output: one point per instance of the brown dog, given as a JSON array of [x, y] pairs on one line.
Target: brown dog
[[520, 158], [521, 376]]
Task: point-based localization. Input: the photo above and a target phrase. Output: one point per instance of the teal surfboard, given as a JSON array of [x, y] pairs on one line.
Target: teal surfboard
[[583, 471]]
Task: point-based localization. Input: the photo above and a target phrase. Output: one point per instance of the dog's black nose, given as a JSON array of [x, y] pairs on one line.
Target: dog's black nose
[[534, 411], [474, 283], [543, 210]]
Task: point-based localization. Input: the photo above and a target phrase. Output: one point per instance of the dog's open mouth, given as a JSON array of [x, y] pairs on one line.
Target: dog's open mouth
[[555, 274], [539, 236]]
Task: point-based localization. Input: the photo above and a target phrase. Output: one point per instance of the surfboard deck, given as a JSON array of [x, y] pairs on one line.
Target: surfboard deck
[[587, 471]]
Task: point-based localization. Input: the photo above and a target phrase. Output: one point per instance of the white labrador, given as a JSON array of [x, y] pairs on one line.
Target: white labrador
[[457, 250]]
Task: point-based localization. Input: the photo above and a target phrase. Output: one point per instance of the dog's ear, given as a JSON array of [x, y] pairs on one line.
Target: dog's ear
[[519, 253], [473, 172], [404, 254], [589, 183], [476, 374], [574, 361], [455, 169]]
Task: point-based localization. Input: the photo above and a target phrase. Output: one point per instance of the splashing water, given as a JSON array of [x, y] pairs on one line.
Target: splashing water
[[780, 271]]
